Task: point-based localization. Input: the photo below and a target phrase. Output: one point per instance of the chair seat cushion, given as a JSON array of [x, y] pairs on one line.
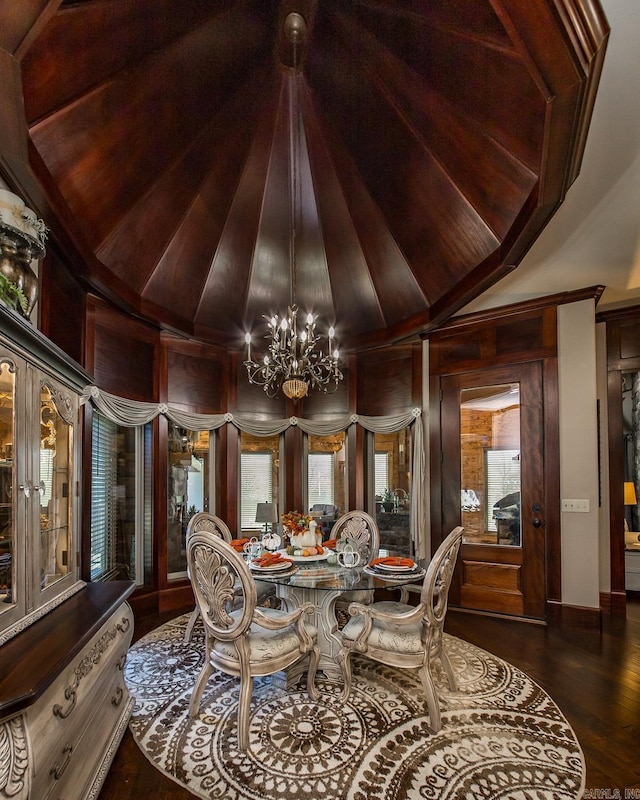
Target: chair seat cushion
[[388, 635], [265, 644]]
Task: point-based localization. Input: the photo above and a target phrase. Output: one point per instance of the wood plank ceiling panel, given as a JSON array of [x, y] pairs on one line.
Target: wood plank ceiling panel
[[437, 139]]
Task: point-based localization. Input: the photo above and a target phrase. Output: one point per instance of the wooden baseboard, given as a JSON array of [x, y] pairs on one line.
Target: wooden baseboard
[[176, 598], [574, 616], [614, 604]]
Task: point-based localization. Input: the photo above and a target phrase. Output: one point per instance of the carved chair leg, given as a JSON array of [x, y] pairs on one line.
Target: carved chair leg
[[448, 669], [314, 658], [192, 621], [244, 712], [205, 673], [432, 698], [344, 660]]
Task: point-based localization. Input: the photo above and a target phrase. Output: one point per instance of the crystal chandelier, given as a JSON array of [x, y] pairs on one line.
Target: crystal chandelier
[[294, 361]]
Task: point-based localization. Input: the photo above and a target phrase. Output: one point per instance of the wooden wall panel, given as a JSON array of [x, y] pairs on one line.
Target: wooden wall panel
[[525, 336], [196, 376], [121, 353], [62, 307], [386, 380]]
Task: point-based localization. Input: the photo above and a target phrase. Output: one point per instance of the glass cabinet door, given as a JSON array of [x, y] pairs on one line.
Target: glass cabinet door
[[53, 489], [7, 522]]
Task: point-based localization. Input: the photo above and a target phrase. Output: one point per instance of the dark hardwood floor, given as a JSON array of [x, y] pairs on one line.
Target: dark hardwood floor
[[593, 676]]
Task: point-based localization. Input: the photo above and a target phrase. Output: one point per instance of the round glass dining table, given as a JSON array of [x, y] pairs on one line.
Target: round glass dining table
[[322, 584]]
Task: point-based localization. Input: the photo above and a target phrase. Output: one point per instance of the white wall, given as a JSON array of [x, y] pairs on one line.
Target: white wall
[[603, 520], [577, 387]]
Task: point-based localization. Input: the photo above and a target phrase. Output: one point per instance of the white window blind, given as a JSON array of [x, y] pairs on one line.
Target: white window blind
[[255, 486], [502, 471], [103, 496], [320, 488], [381, 472]]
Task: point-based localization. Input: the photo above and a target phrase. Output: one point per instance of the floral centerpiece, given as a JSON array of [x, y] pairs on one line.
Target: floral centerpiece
[[294, 522]]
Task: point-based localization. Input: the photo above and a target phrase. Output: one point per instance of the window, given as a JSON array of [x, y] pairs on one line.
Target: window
[[381, 473], [320, 486], [120, 500], [256, 486]]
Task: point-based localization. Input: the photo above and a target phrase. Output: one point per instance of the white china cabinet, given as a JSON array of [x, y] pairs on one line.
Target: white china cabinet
[[63, 643]]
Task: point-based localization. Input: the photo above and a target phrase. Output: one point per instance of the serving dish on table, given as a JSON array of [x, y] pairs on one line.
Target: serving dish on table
[[305, 559]]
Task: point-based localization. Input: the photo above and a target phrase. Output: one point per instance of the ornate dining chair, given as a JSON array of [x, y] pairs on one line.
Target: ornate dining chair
[[247, 641], [404, 636], [203, 521], [360, 530]]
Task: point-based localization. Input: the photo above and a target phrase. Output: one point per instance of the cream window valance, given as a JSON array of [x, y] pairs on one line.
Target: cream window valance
[[132, 413]]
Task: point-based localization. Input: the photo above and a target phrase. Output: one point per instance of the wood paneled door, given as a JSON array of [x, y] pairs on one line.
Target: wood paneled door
[[493, 484]]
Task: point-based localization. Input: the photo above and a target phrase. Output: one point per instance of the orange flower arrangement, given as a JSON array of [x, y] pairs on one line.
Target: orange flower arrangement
[[295, 522]]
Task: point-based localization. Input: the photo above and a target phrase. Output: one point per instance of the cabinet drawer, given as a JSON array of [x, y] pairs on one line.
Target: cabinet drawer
[[59, 720], [76, 765]]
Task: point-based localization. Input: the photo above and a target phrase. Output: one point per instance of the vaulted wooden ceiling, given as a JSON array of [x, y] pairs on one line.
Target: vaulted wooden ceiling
[[432, 142]]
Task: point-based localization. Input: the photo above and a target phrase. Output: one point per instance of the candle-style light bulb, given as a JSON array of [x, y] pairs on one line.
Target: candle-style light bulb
[[336, 354], [247, 339], [309, 319]]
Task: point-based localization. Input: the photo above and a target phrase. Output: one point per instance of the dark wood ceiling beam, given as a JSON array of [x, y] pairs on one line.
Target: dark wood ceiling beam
[[53, 79], [137, 246], [492, 179], [121, 135], [355, 231]]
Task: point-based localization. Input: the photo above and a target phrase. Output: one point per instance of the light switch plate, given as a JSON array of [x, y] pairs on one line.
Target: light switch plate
[[575, 505]]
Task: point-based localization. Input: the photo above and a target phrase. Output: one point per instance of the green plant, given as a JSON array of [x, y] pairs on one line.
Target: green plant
[[13, 295], [387, 496]]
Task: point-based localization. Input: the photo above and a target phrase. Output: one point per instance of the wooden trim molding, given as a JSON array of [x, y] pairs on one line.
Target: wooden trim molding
[[574, 616]]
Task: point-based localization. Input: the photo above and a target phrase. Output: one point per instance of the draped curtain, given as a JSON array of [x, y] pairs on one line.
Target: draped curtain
[[133, 413]]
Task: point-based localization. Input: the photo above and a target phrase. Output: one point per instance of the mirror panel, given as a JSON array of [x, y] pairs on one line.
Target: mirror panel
[[7, 526], [56, 437]]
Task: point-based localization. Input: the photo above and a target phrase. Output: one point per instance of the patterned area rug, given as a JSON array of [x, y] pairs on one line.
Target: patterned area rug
[[502, 736]]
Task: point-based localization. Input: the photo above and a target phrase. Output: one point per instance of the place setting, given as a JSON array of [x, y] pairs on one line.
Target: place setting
[[271, 564], [391, 568]]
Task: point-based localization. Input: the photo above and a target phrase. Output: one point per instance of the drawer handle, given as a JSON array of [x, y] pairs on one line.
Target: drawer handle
[[115, 701], [58, 771], [124, 626], [63, 713], [122, 661]]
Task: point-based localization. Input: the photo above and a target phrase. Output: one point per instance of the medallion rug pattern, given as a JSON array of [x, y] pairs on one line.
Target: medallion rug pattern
[[502, 736]]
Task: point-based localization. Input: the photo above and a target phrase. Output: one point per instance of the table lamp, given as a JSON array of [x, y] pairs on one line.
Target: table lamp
[[630, 499], [267, 513]]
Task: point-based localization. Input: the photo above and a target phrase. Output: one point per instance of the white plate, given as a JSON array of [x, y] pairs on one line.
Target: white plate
[[394, 576], [305, 559], [281, 565], [392, 568]]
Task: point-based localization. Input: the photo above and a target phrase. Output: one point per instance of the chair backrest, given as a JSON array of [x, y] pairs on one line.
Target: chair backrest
[[218, 576], [204, 521], [361, 530], [435, 588]]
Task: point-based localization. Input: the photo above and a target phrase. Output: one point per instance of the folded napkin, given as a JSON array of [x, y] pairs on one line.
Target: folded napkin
[[393, 561], [238, 544], [330, 543], [268, 559]]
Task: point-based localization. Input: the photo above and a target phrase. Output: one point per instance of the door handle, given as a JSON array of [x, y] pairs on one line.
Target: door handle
[[537, 522]]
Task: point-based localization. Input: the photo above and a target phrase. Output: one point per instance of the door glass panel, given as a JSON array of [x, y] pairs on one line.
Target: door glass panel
[[490, 464], [7, 528], [53, 492]]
